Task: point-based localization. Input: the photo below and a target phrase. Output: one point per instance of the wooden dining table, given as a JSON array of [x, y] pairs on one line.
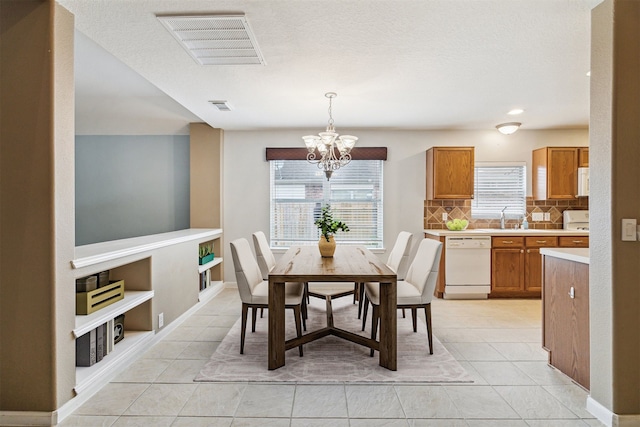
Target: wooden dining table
[[349, 264]]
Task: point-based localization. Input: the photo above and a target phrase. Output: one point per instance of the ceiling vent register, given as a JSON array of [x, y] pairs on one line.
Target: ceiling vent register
[[221, 105], [215, 39]]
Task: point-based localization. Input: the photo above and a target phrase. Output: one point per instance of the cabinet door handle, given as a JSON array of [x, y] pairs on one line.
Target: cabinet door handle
[[541, 241], [577, 241], [507, 241], [528, 251], [572, 292], [521, 251]]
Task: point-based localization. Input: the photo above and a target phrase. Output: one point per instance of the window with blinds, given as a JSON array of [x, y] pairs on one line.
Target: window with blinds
[[299, 190], [498, 185]]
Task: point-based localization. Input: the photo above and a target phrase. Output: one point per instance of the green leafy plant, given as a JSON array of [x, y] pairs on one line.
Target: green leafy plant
[[327, 225], [205, 250]]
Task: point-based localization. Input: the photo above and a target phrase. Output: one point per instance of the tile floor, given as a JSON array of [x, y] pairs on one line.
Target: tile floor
[[497, 341]]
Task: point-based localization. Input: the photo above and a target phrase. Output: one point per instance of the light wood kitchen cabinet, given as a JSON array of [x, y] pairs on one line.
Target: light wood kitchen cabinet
[[583, 157], [555, 172], [573, 241], [450, 173], [533, 261], [507, 265], [516, 265], [565, 307]]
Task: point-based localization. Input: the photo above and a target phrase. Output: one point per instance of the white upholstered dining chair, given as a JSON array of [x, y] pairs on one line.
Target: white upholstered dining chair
[[416, 291], [266, 262], [398, 261], [254, 291], [266, 259]]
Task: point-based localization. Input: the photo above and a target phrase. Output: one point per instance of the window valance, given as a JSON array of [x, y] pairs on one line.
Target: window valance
[[300, 153]]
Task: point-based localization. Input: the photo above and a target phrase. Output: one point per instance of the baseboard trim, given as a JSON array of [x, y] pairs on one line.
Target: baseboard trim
[[609, 418], [27, 418], [604, 415]]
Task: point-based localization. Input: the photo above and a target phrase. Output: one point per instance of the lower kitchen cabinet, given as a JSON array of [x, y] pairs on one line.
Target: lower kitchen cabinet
[[507, 266], [573, 241], [565, 308], [516, 266], [533, 261]]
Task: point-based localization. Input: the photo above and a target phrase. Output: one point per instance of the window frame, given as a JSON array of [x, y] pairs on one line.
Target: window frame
[[365, 192]]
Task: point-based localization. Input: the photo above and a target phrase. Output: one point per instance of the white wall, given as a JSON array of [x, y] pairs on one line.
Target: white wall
[[246, 174]]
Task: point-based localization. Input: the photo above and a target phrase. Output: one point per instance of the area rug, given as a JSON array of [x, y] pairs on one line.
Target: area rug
[[331, 359]]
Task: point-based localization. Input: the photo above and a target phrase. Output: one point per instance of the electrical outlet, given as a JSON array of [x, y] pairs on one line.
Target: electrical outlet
[[160, 320], [445, 216], [547, 216], [537, 216]]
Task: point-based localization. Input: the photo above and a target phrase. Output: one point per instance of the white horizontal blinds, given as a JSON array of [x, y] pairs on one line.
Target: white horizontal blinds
[[356, 199], [497, 186], [299, 189]]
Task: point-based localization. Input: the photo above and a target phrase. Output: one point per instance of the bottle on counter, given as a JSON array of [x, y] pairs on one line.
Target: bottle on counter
[[525, 223]]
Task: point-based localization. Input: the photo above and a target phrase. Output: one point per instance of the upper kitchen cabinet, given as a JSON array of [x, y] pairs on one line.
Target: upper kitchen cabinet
[[583, 157], [450, 173], [555, 172]]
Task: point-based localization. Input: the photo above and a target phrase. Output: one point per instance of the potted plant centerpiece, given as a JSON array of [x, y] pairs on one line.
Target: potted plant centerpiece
[[328, 227]]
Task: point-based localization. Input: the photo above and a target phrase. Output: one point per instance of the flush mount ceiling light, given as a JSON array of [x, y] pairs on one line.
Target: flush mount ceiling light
[[515, 111], [325, 145], [215, 39], [508, 128]]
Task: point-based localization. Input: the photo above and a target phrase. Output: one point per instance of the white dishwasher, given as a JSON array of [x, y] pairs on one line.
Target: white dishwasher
[[467, 267]]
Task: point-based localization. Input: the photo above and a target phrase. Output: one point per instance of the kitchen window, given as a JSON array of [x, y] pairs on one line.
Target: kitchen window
[[498, 185], [299, 189]]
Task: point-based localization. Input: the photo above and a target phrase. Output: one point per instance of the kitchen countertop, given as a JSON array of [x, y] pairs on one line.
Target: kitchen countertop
[[505, 232], [571, 254]]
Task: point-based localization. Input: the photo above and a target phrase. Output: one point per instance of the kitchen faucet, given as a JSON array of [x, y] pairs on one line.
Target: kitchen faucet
[[502, 218]]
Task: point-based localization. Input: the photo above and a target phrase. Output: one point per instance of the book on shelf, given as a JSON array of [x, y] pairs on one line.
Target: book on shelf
[[109, 335], [86, 348], [99, 343]]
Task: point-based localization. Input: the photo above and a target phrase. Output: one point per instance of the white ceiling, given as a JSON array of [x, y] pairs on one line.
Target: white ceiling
[[395, 64]]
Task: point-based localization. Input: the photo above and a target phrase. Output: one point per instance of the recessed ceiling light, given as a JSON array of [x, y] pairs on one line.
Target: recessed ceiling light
[[516, 111]]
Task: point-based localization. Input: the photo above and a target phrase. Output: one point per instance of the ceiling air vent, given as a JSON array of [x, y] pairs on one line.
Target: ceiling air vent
[[215, 39], [221, 105]]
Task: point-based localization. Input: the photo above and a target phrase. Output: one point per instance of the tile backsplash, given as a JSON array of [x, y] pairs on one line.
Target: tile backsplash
[[433, 210]]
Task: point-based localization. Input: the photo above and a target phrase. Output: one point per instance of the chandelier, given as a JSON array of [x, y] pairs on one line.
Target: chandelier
[[328, 150]]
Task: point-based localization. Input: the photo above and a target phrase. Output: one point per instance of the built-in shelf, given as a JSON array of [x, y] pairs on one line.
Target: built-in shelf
[[133, 344], [213, 290], [91, 321], [131, 260], [204, 267]]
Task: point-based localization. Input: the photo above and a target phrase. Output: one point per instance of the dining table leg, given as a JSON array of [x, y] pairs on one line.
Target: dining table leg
[[388, 325], [276, 325]]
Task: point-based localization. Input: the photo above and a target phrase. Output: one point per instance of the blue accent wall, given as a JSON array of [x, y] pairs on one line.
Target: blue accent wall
[[130, 186]]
